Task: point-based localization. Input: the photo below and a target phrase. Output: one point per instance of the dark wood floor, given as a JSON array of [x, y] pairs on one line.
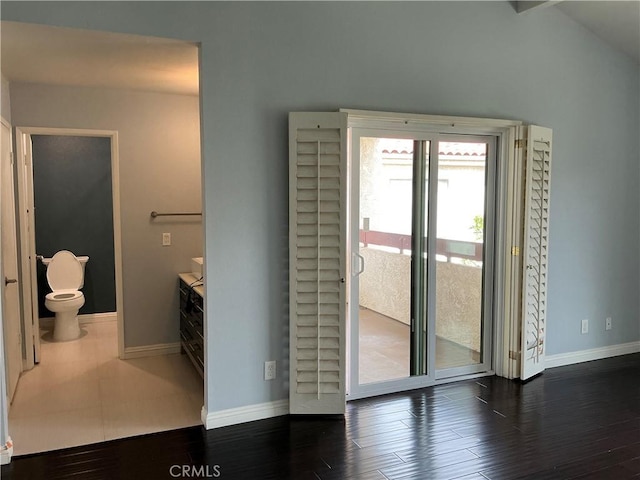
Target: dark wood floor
[[580, 421]]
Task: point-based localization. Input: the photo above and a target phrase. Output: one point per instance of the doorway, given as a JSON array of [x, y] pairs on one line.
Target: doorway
[[81, 392], [134, 380], [66, 212], [422, 208]]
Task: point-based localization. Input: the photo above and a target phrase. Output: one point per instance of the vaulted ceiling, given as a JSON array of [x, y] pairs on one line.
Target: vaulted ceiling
[[615, 22]]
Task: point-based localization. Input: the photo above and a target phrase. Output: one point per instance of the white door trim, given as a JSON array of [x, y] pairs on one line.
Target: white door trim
[[27, 234], [6, 446]]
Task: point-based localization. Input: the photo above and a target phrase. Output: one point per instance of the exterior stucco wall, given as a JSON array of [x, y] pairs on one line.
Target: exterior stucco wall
[[385, 287]]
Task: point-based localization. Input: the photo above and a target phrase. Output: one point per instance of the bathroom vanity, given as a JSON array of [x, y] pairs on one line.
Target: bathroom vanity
[[192, 319]]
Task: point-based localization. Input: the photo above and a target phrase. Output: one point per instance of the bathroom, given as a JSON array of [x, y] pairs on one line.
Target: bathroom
[[148, 136], [76, 216]]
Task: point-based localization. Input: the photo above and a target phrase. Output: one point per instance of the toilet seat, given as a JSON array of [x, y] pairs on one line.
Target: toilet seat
[[63, 295]]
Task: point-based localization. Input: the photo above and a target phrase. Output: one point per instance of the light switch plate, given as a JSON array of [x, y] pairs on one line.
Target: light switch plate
[[166, 239]]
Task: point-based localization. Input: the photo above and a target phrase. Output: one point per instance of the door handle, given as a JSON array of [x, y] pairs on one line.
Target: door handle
[[7, 281], [360, 269]]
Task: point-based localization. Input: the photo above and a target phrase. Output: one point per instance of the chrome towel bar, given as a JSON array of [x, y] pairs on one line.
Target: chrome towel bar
[[155, 214]]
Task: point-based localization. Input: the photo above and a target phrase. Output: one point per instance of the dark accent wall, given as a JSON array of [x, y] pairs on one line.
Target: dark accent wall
[[74, 211]]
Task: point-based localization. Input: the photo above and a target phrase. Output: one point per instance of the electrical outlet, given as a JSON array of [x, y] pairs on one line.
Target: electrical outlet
[[607, 324], [270, 370], [585, 325], [166, 239]]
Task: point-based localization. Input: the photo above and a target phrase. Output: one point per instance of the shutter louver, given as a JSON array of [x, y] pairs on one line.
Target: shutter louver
[[317, 224], [536, 245]]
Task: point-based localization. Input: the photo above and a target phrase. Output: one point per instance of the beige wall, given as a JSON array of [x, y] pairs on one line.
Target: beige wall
[[159, 152], [385, 284], [459, 304], [5, 101], [385, 287]]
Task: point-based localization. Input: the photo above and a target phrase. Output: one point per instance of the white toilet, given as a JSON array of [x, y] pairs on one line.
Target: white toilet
[[65, 274]]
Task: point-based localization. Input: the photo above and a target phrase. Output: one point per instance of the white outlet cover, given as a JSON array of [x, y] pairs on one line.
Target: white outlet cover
[[270, 370], [585, 326]]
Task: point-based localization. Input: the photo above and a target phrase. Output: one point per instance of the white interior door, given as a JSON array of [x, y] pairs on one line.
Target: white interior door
[[10, 287], [31, 321]]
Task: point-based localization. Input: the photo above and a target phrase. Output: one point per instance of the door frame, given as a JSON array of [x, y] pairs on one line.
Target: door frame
[[506, 324], [28, 267]]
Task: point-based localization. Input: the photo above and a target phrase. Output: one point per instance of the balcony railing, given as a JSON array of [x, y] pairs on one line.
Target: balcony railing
[[445, 247]]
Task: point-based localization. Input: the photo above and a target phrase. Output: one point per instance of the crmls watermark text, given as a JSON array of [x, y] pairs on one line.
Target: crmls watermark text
[[195, 471]]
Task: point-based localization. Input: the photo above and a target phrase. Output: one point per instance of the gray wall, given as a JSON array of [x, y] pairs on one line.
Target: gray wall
[[73, 202], [159, 153], [261, 60]]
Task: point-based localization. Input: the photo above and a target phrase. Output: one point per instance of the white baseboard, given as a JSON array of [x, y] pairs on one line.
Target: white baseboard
[[6, 452], [85, 319], [151, 350], [570, 358], [98, 317], [250, 413]]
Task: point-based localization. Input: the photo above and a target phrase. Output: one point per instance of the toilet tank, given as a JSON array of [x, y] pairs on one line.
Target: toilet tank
[[83, 261]]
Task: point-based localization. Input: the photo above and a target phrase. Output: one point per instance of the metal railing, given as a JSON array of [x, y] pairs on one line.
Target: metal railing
[[445, 247]]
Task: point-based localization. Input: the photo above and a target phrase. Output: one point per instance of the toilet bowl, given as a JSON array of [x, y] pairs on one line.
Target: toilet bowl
[[65, 275]]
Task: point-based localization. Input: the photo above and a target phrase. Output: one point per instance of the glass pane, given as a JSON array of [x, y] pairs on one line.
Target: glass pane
[[459, 253], [386, 184]]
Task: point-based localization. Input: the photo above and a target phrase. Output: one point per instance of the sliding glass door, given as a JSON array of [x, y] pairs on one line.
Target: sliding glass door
[[382, 244], [463, 236], [421, 214]]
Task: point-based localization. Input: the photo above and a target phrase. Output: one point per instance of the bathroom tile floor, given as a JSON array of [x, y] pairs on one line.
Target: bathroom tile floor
[[81, 393]]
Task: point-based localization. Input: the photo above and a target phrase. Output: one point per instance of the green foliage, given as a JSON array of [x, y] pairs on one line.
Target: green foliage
[[478, 227]]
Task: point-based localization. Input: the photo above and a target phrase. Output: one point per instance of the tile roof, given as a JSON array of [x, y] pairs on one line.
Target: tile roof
[[457, 149]]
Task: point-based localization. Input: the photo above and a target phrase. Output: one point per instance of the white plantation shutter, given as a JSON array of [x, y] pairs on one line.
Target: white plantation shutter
[[317, 242], [535, 250]]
